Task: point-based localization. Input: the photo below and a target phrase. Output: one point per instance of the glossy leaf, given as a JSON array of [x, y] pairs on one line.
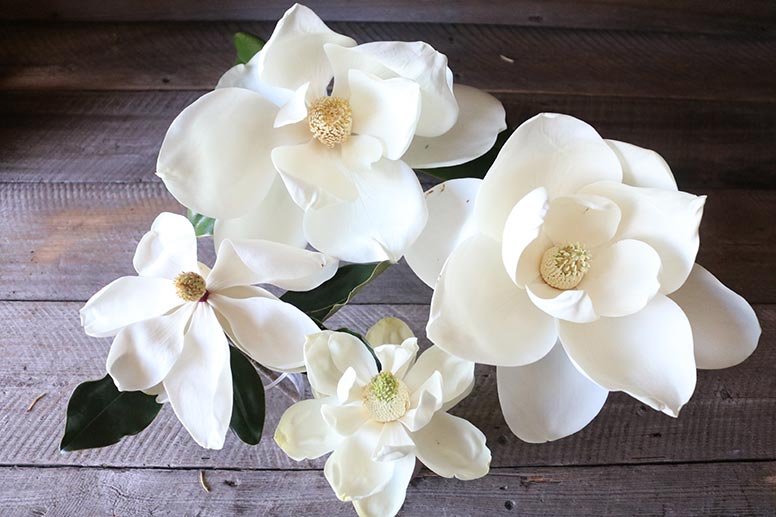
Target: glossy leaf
[[248, 404], [203, 225], [98, 415], [473, 169], [326, 299], [247, 45]]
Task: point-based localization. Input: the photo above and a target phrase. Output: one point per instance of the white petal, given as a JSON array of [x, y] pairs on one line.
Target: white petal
[[380, 224], [127, 300], [295, 109], [275, 218], [345, 419], [272, 332], [387, 109], [591, 220], [523, 226], [642, 167], [294, 54], [481, 117], [302, 432], [397, 359], [570, 305], [328, 354], [352, 472], [549, 399], [199, 385], [478, 313], [215, 157], [667, 220], [558, 152], [457, 374], [349, 389], [648, 355], [388, 331], [247, 76], [143, 353], [623, 278], [265, 262], [452, 447], [450, 222], [390, 499], [724, 326], [314, 174], [169, 248], [424, 403], [394, 443]]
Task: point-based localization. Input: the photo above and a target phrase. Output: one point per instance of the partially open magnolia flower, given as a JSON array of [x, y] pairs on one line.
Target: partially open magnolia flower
[[571, 267], [172, 320], [344, 156], [377, 421]]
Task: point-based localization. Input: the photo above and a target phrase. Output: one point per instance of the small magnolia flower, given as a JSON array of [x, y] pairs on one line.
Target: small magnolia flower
[[172, 320], [344, 158], [571, 268], [377, 421]]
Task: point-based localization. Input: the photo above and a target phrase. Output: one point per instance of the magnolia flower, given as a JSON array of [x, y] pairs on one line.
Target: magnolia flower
[[378, 420], [344, 158], [571, 268], [171, 322]]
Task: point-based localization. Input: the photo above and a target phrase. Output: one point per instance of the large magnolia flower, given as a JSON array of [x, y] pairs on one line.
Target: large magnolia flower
[[171, 321], [346, 184], [377, 421], [573, 272]]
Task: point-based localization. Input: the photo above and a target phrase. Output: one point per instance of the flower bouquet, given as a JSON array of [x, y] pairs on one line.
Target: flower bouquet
[[564, 259]]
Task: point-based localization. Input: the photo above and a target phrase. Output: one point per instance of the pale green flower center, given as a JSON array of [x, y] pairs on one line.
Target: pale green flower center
[[331, 120], [386, 397], [190, 286], [564, 267]]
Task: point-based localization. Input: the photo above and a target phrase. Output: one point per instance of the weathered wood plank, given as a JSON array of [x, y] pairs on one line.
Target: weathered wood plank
[[115, 136], [194, 55], [707, 489], [47, 352], [66, 241], [662, 15]]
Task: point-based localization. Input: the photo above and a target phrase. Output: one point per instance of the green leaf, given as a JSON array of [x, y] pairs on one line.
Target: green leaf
[[203, 225], [247, 45], [98, 415], [248, 405], [473, 169], [366, 344], [326, 299]]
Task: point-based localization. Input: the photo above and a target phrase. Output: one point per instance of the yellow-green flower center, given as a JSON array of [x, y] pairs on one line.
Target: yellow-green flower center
[[564, 267], [386, 397], [190, 286], [331, 120]]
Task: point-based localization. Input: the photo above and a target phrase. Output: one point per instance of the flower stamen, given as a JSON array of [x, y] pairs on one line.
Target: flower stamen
[[564, 267], [331, 120], [386, 397], [190, 286]]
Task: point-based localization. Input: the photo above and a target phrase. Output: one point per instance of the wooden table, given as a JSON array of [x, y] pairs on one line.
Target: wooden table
[[87, 90]]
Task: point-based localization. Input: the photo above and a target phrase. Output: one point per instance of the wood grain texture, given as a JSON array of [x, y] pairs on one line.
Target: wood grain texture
[[115, 136], [753, 16], [686, 490], [194, 55], [65, 241], [47, 352]]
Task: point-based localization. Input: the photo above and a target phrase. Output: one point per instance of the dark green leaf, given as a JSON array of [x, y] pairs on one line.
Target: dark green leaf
[[98, 415], [203, 225], [248, 407], [473, 169], [247, 45], [367, 345], [329, 297]]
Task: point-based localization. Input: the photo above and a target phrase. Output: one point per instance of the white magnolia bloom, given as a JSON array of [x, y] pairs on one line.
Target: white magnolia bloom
[[344, 158], [571, 268], [171, 322], [378, 422]]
